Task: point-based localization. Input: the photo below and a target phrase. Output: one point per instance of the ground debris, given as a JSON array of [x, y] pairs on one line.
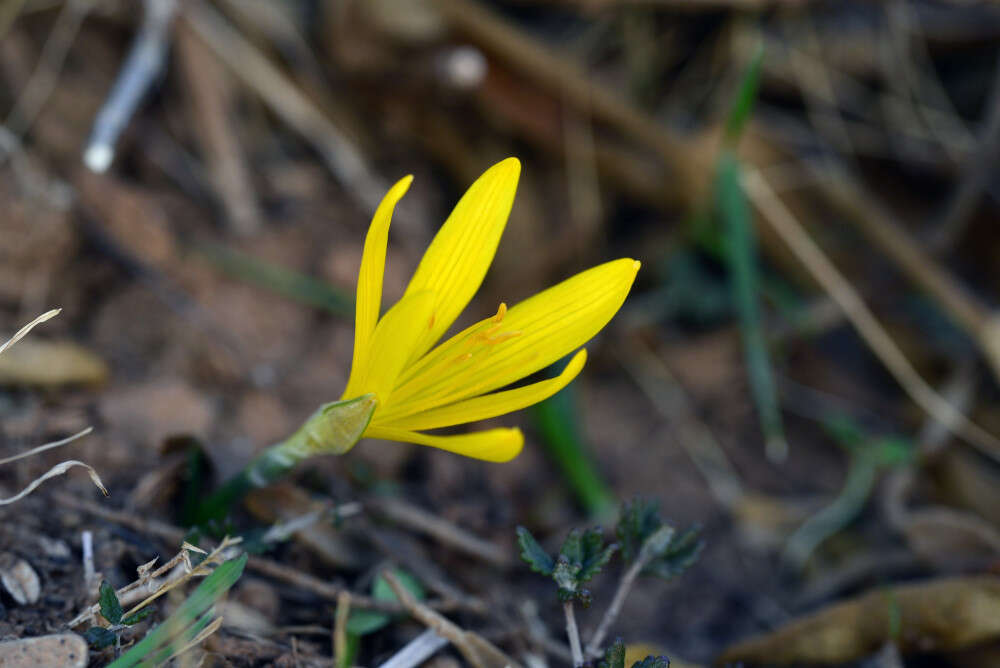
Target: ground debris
[[67, 650], [940, 615]]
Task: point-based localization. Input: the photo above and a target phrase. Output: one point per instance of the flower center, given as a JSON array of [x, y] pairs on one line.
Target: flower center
[[492, 334]]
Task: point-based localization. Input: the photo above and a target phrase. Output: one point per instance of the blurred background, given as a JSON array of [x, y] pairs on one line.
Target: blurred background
[[807, 366]]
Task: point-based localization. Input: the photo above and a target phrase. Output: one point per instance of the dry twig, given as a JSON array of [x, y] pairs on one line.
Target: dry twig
[[418, 519], [322, 588], [477, 651], [781, 220], [288, 102], [211, 108]]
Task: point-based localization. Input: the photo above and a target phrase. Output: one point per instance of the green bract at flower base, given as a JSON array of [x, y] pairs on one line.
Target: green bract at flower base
[[410, 383], [333, 429]]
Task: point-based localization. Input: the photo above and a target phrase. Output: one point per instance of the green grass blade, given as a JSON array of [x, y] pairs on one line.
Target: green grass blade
[[193, 614], [558, 420], [284, 281], [745, 280], [743, 105]]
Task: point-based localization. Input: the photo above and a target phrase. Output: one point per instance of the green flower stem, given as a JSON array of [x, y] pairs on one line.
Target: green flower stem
[[332, 430]]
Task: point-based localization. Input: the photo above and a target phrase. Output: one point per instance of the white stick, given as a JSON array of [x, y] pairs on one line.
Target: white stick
[[416, 651], [89, 572], [574, 634]]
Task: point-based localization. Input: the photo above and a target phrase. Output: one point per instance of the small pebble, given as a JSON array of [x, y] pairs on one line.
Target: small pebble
[[19, 579], [63, 649]]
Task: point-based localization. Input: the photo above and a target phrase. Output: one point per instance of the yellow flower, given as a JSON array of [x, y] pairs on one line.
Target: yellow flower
[[417, 386]]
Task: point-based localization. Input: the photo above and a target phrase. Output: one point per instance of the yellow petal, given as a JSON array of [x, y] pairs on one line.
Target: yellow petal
[[530, 336], [395, 336], [457, 259], [492, 445], [369, 303], [491, 405]]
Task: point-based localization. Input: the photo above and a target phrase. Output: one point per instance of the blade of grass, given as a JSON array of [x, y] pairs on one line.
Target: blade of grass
[[188, 620], [558, 421], [281, 280], [743, 105], [870, 457], [741, 255]]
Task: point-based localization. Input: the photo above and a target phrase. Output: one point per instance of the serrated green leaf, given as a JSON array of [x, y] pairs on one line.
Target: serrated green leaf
[[138, 616], [639, 519], [653, 662], [533, 554], [596, 554], [99, 637], [111, 607], [657, 543], [572, 547], [581, 557], [680, 554], [614, 655]]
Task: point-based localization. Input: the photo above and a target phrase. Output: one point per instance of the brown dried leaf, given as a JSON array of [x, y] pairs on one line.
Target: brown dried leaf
[[50, 364], [940, 615]]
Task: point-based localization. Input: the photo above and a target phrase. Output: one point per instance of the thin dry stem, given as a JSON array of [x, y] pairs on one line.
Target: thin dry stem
[[477, 651], [57, 470], [340, 648], [287, 101], [446, 532], [611, 614], [47, 446], [574, 634], [320, 587], [21, 333], [774, 212]]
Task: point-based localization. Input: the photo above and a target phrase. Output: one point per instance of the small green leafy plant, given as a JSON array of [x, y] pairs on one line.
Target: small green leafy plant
[[614, 657], [100, 637], [581, 557], [649, 546]]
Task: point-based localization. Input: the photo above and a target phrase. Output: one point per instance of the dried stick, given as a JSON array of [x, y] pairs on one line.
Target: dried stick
[[477, 651], [46, 75], [975, 176], [47, 446], [287, 101], [21, 333], [524, 53], [611, 614], [881, 230], [340, 648], [657, 382], [781, 220], [171, 534], [211, 108], [419, 519], [574, 634]]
